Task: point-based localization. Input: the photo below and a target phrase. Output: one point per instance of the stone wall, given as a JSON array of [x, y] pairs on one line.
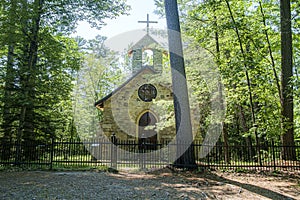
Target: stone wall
[[124, 108]]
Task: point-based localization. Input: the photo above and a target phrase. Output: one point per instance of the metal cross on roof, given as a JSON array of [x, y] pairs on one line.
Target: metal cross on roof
[[148, 22]]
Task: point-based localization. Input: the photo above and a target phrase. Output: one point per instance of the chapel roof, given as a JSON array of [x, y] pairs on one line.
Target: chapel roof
[[99, 104]]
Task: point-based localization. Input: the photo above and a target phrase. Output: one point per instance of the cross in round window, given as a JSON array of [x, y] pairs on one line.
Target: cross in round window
[[147, 92]]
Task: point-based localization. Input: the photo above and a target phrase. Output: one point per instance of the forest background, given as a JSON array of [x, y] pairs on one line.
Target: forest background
[[49, 79]]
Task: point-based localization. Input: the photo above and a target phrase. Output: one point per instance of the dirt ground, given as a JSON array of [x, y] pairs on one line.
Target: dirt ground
[[159, 184]]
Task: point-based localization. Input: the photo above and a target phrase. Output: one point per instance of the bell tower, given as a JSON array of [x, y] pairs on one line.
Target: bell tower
[[146, 52]]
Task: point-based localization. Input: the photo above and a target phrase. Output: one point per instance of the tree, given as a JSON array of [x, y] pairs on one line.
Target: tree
[[249, 60], [287, 136], [40, 55], [99, 74], [184, 137]]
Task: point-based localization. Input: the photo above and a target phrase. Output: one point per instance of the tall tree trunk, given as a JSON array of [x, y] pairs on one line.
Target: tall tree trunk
[[220, 86], [27, 113], [248, 81], [287, 111], [185, 156], [245, 129], [7, 115], [270, 50]]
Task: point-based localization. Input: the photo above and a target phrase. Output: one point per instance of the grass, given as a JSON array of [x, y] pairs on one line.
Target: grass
[[15, 168], [56, 167]]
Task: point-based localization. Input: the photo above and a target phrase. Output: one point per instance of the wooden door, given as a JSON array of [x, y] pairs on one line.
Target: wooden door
[[147, 136]]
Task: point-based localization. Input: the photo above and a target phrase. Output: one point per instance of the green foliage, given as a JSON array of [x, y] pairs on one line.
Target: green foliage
[[256, 52], [39, 63], [63, 15], [98, 76]]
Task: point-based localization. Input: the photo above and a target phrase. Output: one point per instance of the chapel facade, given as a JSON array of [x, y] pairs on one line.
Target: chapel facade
[[136, 110]]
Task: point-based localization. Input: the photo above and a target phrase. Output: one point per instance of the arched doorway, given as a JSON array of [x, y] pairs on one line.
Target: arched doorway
[[147, 134]]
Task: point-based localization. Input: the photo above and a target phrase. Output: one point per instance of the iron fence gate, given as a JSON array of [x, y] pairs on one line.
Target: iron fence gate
[[131, 154]]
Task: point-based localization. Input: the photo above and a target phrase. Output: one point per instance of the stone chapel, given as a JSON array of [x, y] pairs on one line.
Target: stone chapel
[[133, 110]]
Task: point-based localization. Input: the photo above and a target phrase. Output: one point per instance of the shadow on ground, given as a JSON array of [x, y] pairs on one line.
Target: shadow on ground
[[210, 185]]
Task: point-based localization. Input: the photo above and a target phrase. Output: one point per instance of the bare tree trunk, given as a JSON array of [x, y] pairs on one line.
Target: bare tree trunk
[[185, 155], [287, 137]]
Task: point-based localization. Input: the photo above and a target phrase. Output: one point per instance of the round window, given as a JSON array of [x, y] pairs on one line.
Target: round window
[[147, 92]]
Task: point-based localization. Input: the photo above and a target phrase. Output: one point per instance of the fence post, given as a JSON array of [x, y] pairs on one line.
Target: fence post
[[19, 155], [51, 153], [208, 160], [141, 147], [113, 151], [274, 157]]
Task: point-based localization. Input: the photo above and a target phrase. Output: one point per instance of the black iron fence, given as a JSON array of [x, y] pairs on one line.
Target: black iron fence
[[131, 154]]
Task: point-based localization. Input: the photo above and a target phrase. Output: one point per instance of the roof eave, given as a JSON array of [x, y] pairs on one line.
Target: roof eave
[[100, 103]]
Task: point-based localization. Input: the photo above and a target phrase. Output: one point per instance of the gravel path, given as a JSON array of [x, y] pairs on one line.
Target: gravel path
[[163, 184]]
